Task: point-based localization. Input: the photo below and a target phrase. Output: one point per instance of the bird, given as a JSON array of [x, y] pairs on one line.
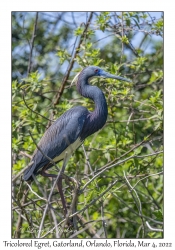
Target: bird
[[70, 130]]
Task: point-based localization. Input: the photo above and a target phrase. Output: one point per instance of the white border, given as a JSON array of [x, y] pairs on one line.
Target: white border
[[5, 94]]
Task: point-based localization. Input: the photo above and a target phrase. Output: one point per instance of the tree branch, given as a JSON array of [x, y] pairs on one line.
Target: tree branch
[[32, 44], [114, 165]]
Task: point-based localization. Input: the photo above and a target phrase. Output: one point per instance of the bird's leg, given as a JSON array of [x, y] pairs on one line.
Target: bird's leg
[[60, 189], [59, 186]]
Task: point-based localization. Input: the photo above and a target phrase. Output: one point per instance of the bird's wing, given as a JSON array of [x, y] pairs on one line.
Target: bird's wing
[[62, 133]]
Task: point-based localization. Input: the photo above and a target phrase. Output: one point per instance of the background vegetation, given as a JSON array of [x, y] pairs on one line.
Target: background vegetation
[[120, 168]]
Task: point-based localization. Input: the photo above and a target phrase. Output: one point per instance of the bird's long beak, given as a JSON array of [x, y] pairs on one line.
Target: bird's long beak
[[107, 75]]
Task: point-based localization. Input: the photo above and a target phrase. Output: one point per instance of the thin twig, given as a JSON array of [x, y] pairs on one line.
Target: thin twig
[[87, 160], [33, 111], [25, 154], [139, 207], [122, 35], [103, 220], [132, 189], [145, 178], [153, 229], [41, 198], [19, 213], [55, 223], [127, 128], [39, 186], [32, 44]]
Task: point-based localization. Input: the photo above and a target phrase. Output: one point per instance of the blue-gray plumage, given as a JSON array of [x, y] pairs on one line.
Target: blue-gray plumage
[[68, 132]]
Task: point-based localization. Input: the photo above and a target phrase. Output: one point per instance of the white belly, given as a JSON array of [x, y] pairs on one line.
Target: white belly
[[68, 151]]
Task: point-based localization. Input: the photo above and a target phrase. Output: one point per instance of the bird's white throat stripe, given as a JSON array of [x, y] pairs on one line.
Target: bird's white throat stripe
[[68, 151]]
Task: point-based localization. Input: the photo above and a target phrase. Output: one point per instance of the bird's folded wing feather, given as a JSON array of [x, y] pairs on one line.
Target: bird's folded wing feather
[[62, 133]]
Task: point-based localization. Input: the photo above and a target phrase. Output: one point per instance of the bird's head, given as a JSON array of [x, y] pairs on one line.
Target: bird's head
[[93, 71]]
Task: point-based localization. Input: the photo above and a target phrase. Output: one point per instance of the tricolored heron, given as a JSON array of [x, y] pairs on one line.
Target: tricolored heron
[[69, 131]]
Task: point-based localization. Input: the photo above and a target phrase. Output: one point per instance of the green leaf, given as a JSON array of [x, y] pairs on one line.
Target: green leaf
[[124, 39], [78, 31]]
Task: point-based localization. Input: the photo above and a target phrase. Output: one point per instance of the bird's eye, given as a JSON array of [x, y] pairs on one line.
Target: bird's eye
[[96, 70]]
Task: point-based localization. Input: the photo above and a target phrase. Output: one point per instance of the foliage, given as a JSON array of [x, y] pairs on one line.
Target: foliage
[[128, 192]]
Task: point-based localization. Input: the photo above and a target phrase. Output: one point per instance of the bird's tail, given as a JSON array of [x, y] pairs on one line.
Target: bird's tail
[[28, 172]]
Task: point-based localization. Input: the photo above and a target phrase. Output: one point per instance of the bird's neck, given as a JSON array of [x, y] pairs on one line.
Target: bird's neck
[[94, 93]]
